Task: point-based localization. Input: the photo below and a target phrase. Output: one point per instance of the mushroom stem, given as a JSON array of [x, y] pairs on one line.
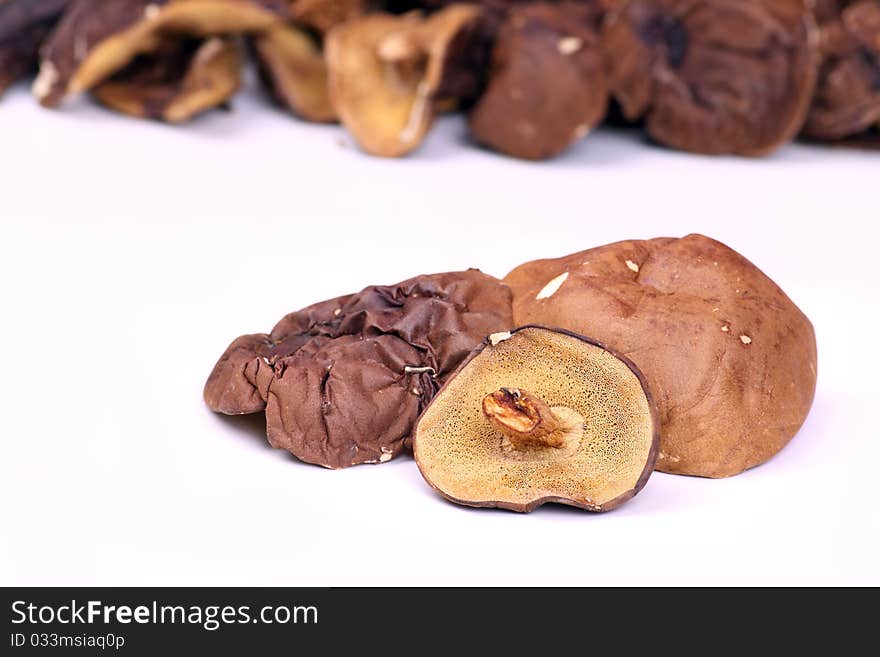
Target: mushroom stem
[[526, 420]]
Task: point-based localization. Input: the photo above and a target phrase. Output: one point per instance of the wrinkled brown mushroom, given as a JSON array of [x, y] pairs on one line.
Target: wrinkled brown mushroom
[[847, 100], [321, 15], [342, 382], [182, 79], [547, 87], [540, 415], [24, 24], [713, 76], [388, 74], [292, 67], [94, 40], [729, 358]]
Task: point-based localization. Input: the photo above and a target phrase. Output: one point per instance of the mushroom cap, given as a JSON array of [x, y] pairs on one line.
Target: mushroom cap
[[547, 85], [94, 40], [292, 67], [462, 456], [847, 100], [179, 81], [713, 76], [385, 72], [343, 381], [729, 358]]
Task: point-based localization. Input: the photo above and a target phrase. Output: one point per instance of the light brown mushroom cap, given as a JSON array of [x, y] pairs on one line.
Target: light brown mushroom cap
[[728, 356], [211, 78], [385, 71], [293, 66], [462, 454]]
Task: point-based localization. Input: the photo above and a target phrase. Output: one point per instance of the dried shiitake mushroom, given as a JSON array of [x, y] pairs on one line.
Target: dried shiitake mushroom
[[292, 67], [540, 415], [729, 358], [713, 76], [342, 382], [847, 100], [94, 40], [23, 26], [547, 85], [388, 73], [180, 80]]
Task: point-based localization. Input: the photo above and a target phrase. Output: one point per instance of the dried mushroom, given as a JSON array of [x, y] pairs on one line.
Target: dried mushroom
[[342, 382], [292, 67], [540, 415], [389, 74], [847, 100], [94, 40], [729, 358], [321, 15], [713, 76], [180, 80], [547, 87], [23, 26]]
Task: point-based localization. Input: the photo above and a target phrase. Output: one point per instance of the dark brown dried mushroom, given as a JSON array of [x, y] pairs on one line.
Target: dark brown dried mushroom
[[847, 100], [182, 79], [342, 382], [292, 67], [547, 86], [94, 40], [23, 26], [389, 74], [713, 76], [540, 415]]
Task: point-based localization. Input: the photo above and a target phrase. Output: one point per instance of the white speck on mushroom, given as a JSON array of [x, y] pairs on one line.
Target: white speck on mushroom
[[725, 328], [552, 287], [386, 455], [632, 266], [670, 457], [151, 12], [416, 391], [410, 369], [581, 131], [569, 45], [715, 310], [337, 312], [45, 80], [495, 338], [745, 339]]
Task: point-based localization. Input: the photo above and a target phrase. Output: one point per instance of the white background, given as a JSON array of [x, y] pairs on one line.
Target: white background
[[132, 253]]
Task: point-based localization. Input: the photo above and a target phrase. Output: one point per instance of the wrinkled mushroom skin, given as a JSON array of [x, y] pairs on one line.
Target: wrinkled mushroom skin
[[729, 358], [94, 40], [547, 86], [713, 76], [24, 24], [387, 74], [182, 79], [292, 67], [847, 100], [343, 381]]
